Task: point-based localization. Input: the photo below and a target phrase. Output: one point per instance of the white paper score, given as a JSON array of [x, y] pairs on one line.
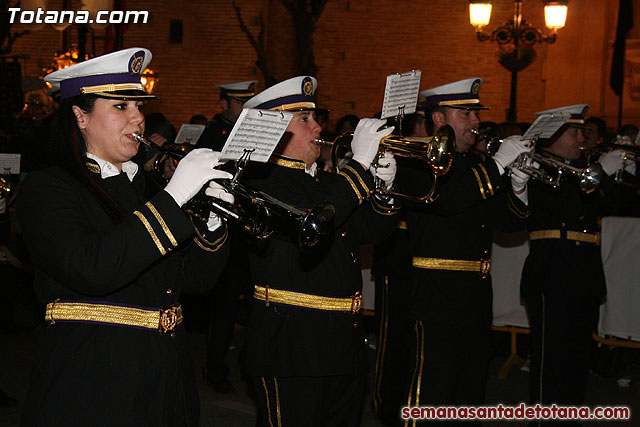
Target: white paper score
[[401, 94], [257, 130]]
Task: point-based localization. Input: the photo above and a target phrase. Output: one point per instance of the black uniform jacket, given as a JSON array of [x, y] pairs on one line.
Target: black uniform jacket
[[472, 199], [286, 340], [566, 266], [216, 133], [88, 374]]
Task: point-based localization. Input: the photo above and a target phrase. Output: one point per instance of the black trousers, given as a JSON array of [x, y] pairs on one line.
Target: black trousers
[[561, 338], [234, 281], [448, 367], [310, 401], [394, 334]]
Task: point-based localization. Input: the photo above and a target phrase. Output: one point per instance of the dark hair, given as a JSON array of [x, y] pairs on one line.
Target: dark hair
[[628, 130], [322, 114], [428, 115], [69, 150], [350, 119], [409, 122], [198, 119], [601, 125], [491, 130], [158, 123]]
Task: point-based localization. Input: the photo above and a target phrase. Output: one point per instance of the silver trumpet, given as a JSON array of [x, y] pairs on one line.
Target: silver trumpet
[[253, 209], [589, 178], [631, 153], [553, 170]]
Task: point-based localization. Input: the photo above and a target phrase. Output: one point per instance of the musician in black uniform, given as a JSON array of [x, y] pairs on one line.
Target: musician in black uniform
[[562, 278], [112, 264], [450, 294], [233, 95], [305, 342], [235, 278]]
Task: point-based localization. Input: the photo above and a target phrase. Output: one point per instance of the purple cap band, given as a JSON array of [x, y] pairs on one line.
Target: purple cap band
[[291, 99], [434, 100], [71, 87]]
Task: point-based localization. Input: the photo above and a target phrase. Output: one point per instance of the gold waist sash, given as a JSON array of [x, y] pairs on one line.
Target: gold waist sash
[[162, 320], [298, 299], [571, 235], [453, 264]]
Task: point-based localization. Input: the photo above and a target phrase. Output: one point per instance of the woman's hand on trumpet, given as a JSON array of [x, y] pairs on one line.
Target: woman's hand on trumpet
[[193, 172], [366, 140]]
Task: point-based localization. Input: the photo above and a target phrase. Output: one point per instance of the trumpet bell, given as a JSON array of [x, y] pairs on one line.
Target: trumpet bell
[[591, 178], [5, 188], [316, 224], [437, 151]]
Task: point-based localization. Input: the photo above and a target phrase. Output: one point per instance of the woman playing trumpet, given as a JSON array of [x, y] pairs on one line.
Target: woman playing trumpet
[[112, 264]]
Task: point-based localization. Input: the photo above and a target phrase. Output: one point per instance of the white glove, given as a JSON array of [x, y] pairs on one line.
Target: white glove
[[612, 162], [193, 171], [510, 149], [385, 169], [214, 222], [630, 167], [366, 140], [519, 180], [623, 140], [216, 190]]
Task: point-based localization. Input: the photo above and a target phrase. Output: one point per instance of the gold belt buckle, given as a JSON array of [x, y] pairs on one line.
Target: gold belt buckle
[[356, 302], [168, 319], [485, 266]]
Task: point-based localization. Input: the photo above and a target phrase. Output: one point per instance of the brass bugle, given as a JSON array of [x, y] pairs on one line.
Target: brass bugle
[[253, 208], [437, 151]]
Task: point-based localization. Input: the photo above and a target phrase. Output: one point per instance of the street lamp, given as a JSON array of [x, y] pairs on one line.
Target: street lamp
[[516, 38]]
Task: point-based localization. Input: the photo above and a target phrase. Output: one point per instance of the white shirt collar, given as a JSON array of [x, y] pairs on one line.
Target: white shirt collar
[[107, 170], [312, 170]]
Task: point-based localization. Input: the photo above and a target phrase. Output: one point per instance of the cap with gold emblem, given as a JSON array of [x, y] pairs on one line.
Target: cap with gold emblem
[[576, 111], [295, 94], [461, 94], [114, 75], [241, 91]]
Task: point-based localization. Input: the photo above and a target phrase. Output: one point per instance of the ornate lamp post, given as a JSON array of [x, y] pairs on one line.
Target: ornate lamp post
[[516, 38]]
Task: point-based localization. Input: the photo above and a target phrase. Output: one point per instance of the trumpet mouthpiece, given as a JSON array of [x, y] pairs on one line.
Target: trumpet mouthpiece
[[320, 141], [139, 138]]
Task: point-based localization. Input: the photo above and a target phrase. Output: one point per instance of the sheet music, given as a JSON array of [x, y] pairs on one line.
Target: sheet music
[[257, 130], [189, 134], [10, 162], [401, 94], [546, 125]]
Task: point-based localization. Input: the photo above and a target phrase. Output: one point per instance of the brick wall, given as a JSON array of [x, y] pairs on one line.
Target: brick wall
[[357, 44]]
